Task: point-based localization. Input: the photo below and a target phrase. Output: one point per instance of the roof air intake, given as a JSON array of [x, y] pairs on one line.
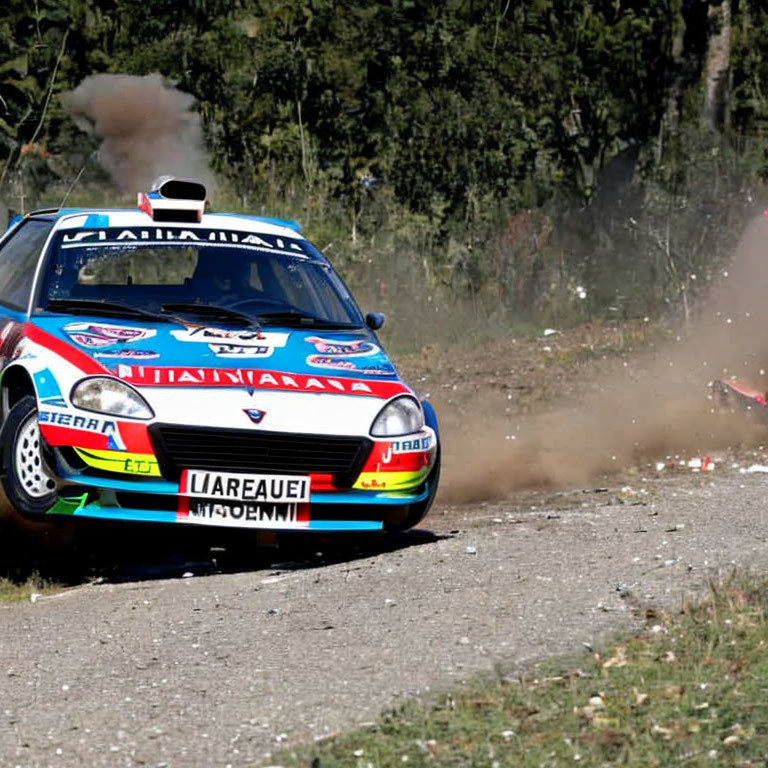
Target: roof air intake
[[172, 199]]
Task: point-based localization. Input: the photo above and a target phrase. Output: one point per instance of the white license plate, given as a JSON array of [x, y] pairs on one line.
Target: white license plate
[[245, 514], [233, 486]]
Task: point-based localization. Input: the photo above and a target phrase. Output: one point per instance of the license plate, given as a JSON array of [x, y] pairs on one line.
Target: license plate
[[233, 486], [244, 514]]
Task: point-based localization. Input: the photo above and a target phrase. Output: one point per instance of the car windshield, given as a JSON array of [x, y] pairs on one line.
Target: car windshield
[[274, 279]]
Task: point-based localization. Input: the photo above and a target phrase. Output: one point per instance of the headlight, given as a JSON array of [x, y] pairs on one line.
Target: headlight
[[400, 417], [112, 396]]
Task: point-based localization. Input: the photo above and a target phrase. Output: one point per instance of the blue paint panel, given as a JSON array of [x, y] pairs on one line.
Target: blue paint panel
[[12, 314], [366, 497], [128, 514], [96, 220], [46, 385], [345, 525], [430, 417], [125, 513], [13, 222]]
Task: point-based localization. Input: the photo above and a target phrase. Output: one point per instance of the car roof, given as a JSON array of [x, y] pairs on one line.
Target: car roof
[[74, 218]]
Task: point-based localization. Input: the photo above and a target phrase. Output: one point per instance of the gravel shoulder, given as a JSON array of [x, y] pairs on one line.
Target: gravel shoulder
[[222, 669]]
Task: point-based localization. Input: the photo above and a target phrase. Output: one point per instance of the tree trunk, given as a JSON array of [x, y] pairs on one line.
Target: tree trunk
[[718, 67]]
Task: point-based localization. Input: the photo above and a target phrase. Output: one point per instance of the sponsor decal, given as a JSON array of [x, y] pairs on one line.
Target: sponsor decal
[[76, 421], [354, 348], [235, 350], [391, 481], [413, 445], [177, 235], [171, 376], [119, 461], [128, 354], [94, 335], [239, 487], [243, 514], [345, 364], [255, 415], [234, 343], [242, 337]]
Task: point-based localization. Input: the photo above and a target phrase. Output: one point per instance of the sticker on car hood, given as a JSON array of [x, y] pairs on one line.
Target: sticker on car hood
[[240, 337], [344, 348], [95, 335]]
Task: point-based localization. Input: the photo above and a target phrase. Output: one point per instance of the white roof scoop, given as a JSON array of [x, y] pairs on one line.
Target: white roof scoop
[[172, 199]]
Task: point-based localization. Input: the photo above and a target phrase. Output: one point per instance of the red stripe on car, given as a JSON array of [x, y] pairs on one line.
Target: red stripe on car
[[176, 376], [74, 437], [66, 351]]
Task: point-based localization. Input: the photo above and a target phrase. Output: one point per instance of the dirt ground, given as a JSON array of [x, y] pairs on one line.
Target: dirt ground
[[163, 653]]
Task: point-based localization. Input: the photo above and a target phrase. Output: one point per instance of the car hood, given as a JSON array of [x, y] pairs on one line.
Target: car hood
[[115, 344]]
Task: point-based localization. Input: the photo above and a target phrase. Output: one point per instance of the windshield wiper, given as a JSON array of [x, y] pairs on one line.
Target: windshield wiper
[[295, 319], [106, 309], [212, 311]]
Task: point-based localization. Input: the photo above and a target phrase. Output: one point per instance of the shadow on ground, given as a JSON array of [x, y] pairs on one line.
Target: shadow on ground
[[78, 552]]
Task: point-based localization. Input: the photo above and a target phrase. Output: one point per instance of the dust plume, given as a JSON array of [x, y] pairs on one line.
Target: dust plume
[[654, 407], [147, 129]]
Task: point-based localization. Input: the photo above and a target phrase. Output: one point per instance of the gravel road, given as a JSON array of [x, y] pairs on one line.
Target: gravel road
[[221, 669]]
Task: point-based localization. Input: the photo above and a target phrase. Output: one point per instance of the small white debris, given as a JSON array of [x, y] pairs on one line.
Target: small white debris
[[65, 687], [463, 641], [470, 550], [507, 735], [660, 466], [754, 468], [34, 597], [550, 331], [187, 575], [694, 463]]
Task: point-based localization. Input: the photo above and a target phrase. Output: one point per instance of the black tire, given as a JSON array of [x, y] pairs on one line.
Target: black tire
[[413, 514], [24, 485]]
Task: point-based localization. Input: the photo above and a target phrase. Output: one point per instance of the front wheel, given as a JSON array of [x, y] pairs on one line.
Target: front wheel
[[28, 484]]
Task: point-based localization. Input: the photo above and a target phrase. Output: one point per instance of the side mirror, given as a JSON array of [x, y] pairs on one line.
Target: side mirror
[[375, 320]]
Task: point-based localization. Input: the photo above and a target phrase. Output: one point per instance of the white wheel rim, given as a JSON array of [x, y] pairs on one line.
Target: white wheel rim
[[30, 469]]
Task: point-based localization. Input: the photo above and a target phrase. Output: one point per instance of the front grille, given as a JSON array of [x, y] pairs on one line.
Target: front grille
[[237, 450]]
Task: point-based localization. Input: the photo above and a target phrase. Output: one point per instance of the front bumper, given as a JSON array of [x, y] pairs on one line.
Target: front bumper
[[143, 484]]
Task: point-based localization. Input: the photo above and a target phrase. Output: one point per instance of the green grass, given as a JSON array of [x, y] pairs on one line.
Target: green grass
[[12, 591], [691, 690]]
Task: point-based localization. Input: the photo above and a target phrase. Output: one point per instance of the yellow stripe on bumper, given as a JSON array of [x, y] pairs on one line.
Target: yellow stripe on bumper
[[144, 464], [391, 481]]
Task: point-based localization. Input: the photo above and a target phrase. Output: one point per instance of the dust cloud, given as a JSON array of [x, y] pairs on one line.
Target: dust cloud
[[654, 407], [147, 128]]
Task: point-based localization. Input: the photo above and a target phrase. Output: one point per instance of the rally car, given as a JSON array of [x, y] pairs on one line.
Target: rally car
[[168, 365]]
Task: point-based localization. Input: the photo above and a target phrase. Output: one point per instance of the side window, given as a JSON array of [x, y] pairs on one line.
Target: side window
[[18, 260]]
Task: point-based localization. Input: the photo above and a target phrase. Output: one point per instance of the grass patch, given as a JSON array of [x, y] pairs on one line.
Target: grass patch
[[691, 690], [12, 591]]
